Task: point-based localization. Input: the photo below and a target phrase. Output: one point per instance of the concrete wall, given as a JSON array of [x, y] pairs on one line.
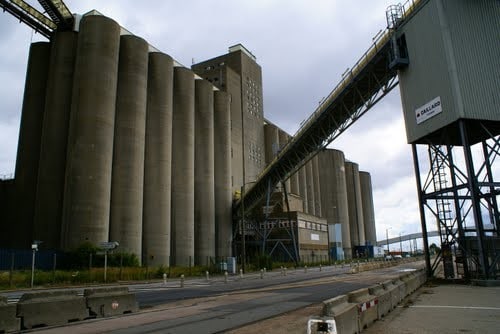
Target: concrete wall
[[222, 176], [312, 238], [283, 139], [158, 160], [87, 194], [183, 138], [127, 187], [271, 139], [204, 202]]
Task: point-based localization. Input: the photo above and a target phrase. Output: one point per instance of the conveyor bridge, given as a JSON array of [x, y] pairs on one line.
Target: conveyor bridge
[[372, 77]]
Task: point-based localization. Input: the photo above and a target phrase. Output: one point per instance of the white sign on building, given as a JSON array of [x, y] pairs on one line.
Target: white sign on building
[[428, 110]]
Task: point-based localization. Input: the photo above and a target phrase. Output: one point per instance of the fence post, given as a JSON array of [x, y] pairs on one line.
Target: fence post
[[54, 264], [121, 266], [11, 273]]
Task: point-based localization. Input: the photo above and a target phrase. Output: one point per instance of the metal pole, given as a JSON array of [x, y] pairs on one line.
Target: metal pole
[[476, 205], [105, 264], [422, 211], [387, 238], [33, 267], [400, 244], [243, 245]]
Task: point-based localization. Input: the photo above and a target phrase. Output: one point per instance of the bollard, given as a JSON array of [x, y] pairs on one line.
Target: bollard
[[282, 271], [207, 275], [305, 269], [261, 274], [164, 279], [182, 280], [241, 273], [320, 268], [225, 277], [285, 271], [265, 270]]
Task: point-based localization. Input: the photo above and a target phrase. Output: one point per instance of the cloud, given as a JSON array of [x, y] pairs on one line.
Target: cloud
[[303, 48]]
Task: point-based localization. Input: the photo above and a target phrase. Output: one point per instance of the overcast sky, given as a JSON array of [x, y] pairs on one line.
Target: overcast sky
[[303, 48]]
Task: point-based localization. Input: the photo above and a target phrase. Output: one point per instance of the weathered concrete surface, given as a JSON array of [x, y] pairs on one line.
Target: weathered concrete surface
[[106, 302], [51, 308], [444, 309], [89, 159], [8, 320], [127, 183], [158, 160]]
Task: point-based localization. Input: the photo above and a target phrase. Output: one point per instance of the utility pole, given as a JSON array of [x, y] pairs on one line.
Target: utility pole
[[387, 238]]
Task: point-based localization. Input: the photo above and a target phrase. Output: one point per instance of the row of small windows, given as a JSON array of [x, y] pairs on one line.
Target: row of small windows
[[255, 153], [212, 67], [276, 224], [313, 226], [253, 97]]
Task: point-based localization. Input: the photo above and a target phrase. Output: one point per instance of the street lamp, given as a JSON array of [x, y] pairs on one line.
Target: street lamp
[[387, 238], [400, 243], [34, 249]]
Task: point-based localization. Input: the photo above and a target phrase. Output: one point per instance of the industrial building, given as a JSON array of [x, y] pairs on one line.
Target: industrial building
[[119, 142]]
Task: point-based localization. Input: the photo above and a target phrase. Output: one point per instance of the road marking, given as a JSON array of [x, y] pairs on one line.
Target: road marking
[[457, 307]]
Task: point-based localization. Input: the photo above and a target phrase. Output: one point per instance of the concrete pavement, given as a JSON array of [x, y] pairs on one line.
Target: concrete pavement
[[449, 308], [446, 308]]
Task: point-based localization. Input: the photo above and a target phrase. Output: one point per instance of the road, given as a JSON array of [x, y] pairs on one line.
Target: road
[[214, 306]]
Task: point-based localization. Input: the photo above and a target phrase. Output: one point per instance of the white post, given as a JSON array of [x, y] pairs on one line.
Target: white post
[[105, 264], [33, 268]]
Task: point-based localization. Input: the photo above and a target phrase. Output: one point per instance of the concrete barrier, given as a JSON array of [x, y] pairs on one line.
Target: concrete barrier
[[8, 321], [344, 313], [383, 295], [407, 280], [106, 302], [51, 308], [402, 288], [393, 289], [367, 306]]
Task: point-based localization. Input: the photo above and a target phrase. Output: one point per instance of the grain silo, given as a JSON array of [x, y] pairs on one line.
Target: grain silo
[[317, 187], [222, 175], [53, 146], [158, 160], [28, 149], [368, 209], [127, 186], [310, 187], [356, 225], [183, 167], [204, 202], [87, 193], [334, 202]]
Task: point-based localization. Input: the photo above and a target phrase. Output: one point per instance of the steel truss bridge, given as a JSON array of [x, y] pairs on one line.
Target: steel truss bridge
[[372, 77]]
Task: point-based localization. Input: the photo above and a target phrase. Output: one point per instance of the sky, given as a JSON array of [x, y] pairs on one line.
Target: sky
[[303, 48]]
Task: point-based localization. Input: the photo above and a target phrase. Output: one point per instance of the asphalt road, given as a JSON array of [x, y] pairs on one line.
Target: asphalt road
[[215, 306]]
